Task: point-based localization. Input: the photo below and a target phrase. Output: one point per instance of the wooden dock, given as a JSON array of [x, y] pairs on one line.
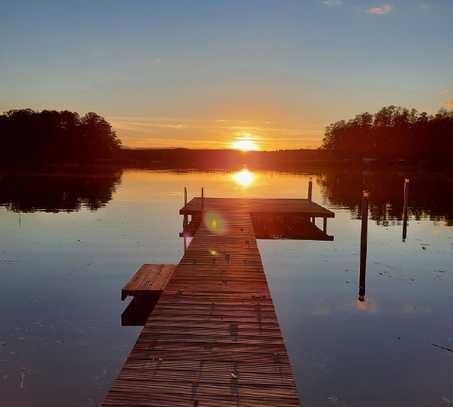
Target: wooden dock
[[150, 279], [213, 338]]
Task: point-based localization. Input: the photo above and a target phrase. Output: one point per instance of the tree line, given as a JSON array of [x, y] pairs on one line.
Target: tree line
[[30, 137], [393, 132]]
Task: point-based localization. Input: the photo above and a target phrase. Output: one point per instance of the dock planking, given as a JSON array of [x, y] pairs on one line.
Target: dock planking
[[213, 338], [259, 205], [150, 279]]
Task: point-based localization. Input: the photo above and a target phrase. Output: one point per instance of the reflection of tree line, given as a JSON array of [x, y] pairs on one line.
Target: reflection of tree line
[[55, 193], [430, 194]]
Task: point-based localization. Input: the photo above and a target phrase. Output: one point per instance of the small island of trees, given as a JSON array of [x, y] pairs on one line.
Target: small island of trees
[[393, 132], [32, 138]]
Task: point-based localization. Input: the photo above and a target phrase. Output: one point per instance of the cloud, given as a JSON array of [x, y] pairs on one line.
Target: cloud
[[332, 3], [380, 10], [444, 92], [449, 104]]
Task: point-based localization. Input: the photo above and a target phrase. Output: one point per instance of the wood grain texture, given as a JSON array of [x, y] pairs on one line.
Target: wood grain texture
[[213, 338], [261, 205], [149, 279]]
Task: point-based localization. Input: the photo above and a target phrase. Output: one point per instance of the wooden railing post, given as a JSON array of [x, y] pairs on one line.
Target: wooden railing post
[[310, 189], [363, 245]]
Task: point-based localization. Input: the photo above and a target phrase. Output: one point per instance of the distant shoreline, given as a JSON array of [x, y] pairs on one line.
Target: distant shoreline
[[279, 160], [392, 137], [211, 159]]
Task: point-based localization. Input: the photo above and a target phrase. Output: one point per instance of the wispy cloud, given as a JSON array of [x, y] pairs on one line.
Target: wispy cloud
[[332, 3], [444, 92], [380, 10], [449, 104]]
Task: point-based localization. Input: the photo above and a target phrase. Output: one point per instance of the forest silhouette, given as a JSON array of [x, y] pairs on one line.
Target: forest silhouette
[[29, 138], [393, 132], [39, 139]]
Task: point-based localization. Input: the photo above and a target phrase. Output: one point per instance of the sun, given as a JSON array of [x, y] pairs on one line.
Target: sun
[[245, 144]]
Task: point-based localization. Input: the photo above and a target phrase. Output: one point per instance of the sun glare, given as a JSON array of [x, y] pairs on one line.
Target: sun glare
[[245, 144], [244, 178]]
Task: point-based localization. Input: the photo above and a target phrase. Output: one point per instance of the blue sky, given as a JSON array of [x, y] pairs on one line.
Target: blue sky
[[203, 73]]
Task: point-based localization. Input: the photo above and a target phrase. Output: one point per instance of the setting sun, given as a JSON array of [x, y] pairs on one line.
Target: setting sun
[[245, 145]]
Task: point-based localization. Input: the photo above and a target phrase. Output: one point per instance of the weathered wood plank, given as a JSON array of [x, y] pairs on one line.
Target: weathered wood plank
[[149, 279], [213, 338]]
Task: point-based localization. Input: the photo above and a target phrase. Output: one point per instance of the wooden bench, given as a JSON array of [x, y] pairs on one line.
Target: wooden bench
[[150, 279]]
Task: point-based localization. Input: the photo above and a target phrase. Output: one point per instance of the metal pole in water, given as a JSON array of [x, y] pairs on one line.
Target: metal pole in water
[[405, 209], [363, 245], [310, 189]]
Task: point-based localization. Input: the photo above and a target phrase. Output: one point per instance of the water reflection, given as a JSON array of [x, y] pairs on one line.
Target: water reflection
[[244, 178], [71, 268], [431, 194], [57, 192]]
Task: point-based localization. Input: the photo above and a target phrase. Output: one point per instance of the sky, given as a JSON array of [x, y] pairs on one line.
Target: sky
[[210, 73]]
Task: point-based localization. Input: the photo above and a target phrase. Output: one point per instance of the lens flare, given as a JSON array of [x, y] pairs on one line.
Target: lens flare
[[244, 178], [214, 222]]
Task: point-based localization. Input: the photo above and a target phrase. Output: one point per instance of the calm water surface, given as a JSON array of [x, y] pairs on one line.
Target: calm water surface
[[69, 243]]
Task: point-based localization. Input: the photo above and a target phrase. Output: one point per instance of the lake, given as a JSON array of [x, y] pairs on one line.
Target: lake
[[68, 243]]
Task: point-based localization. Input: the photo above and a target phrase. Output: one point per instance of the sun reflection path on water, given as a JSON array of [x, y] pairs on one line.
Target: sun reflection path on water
[[244, 178]]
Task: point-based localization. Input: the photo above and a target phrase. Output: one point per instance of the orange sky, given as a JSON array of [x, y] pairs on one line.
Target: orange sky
[[215, 133], [276, 72]]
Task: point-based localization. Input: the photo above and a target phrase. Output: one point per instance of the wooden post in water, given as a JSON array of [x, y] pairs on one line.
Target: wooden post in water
[[363, 245], [310, 189], [186, 219], [202, 198], [405, 205]]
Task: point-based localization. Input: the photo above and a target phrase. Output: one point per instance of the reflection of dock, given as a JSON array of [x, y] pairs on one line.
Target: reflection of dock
[[213, 338]]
